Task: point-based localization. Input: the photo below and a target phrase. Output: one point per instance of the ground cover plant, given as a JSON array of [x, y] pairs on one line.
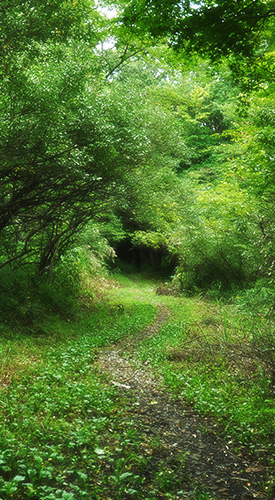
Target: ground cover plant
[[222, 362], [68, 432], [57, 412]]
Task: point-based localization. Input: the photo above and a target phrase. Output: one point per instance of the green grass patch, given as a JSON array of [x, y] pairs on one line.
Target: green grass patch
[[66, 433], [60, 419], [221, 363]]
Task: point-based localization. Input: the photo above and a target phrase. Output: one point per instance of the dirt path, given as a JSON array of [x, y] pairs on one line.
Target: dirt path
[[208, 462]]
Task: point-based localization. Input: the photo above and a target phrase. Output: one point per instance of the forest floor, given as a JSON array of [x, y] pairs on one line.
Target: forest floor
[[189, 444], [142, 396]]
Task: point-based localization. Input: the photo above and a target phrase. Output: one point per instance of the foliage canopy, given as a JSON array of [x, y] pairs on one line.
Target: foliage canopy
[[166, 157]]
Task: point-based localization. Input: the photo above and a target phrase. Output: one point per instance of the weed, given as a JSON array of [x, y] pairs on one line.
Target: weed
[[57, 411], [212, 369], [66, 434]]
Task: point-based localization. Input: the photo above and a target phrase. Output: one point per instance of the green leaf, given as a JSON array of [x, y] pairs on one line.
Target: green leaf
[[125, 475], [99, 451], [18, 479]]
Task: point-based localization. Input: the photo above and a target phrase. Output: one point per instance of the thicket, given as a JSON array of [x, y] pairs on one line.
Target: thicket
[[114, 144]]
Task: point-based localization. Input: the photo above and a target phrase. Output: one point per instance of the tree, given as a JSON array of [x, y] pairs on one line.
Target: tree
[[59, 153], [211, 28], [70, 139], [211, 209], [148, 147]]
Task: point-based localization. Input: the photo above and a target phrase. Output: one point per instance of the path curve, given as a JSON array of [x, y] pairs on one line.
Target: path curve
[[179, 429]]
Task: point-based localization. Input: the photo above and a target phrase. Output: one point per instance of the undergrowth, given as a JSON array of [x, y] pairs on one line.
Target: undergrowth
[[61, 422], [66, 432], [222, 363]]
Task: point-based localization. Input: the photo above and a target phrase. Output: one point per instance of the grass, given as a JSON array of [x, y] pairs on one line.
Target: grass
[[66, 433], [222, 364], [60, 419]]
